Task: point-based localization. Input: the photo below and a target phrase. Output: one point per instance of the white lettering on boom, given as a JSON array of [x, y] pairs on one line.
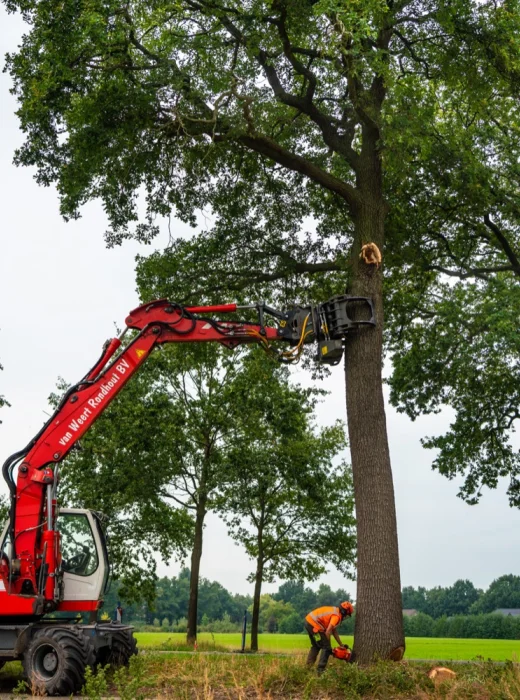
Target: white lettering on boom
[[95, 402], [105, 390]]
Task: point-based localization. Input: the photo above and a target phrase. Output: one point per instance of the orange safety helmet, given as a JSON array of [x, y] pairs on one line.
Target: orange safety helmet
[[346, 608]]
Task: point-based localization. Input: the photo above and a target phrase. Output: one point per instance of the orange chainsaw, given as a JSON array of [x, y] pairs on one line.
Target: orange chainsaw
[[342, 653]]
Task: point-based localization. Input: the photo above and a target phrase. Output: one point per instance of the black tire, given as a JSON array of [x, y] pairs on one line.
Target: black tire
[[124, 646], [56, 659]]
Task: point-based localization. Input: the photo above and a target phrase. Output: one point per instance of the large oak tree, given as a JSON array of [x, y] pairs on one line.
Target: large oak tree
[[266, 113]]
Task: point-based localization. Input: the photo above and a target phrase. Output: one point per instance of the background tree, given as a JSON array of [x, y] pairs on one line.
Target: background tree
[[504, 592], [4, 509], [326, 596], [285, 503], [271, 614], [414, 599], [298, 595], [271, 112], [181, 435], [459, 599]]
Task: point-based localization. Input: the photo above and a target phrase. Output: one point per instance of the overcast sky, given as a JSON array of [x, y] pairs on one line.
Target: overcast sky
[[62, 291]]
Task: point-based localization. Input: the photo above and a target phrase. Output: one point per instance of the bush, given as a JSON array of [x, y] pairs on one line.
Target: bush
[[180, 626], [421, 625], [156, 622], [293, 624], [165, 622], [222, 626]]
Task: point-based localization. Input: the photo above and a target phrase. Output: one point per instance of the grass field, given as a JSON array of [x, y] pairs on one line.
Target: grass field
[[266, 677], [416, 647], [198, 676]]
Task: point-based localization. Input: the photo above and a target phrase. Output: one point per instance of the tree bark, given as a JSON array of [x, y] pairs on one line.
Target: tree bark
[[196, 555], [379, 622], [256, 603]]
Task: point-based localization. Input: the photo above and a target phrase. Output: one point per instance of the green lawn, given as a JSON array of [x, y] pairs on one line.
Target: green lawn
[[416, 647]]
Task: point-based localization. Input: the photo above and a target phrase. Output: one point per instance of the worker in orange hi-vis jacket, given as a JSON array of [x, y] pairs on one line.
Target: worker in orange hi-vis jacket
[[323, 623]]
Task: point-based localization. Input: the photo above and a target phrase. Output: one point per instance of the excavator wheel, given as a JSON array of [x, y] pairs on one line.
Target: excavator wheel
[[124, 646], [54, 663]]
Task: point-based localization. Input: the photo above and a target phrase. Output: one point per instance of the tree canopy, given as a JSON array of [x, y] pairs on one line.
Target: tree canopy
[[458, 599], [503, 592]]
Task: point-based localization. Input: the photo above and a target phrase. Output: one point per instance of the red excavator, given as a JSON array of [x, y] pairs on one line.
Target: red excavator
[[54, 561]]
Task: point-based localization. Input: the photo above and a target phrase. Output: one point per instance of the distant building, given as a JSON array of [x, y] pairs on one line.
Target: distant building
[[514, 612], [410, 612]]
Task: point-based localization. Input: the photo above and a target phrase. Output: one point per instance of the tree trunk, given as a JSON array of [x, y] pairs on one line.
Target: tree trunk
[[196, 555], [256, 603], [379, 622]]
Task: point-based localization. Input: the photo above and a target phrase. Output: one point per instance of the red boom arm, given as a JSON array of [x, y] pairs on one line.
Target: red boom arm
[[32, 530]]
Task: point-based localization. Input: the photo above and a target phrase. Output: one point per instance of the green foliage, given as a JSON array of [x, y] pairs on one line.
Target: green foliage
[[463, 354], [273, 613], [223, 626], [21, 688], [504, 592], [181, 625], [96, 683], [463, 626], [129, 680], [285, 491], [4, 508], [458, 599], [292, 624], [419, 625]]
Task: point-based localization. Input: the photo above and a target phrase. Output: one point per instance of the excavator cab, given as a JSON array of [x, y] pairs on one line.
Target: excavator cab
[[85, 564]]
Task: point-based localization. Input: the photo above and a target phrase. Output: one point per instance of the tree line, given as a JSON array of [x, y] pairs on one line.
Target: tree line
[[460, 610], [488, 626], [463, 598]]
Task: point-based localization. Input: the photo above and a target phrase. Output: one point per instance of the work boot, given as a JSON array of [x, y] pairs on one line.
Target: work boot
[[324, 657], [312, 656]]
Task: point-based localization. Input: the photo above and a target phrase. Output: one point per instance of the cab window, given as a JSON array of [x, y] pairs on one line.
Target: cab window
[[78, 547]]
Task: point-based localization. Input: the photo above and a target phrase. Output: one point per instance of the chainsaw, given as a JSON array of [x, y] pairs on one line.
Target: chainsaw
[[342, 653]]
